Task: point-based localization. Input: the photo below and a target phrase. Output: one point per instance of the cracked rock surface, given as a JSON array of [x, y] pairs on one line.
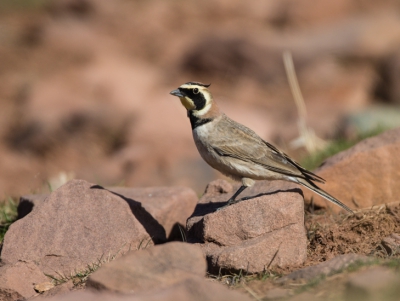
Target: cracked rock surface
[[78, 224], [267, 229]]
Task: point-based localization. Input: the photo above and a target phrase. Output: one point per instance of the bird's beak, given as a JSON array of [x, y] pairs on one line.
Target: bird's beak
[[177, 93]]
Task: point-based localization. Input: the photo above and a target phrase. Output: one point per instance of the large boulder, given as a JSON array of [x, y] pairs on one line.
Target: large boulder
[[194, 289], [77, 225], [364, 175], [265, 230], [169, 206], [154, 268]]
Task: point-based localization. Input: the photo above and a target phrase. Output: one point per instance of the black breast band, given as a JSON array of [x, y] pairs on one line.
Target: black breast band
[[196, 121]]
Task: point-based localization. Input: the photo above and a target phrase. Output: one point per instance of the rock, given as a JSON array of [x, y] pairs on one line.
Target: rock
[[364, 175], [60, 289], [377, 283], [169, 206], [326, 268], [217, 187], [19, 279], [153, 268], [194, 288], [90, 295], [305, 296], [265, 230], [391, 244], [43, 287], [77, 225], [277, 293]]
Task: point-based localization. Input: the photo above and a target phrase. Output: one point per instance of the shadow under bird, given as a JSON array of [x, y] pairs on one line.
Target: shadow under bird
[[237, 151]]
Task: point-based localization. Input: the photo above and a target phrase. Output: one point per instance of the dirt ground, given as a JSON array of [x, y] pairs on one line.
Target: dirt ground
[[329, 236], [360, 233]]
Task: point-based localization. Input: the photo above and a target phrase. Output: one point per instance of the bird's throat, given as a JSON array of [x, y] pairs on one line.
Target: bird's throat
[[187, 103], [196, 121]]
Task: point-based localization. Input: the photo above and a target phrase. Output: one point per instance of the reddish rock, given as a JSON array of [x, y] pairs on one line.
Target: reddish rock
[[89, 295], [19, 279], [194, 288], [216, 188], [265, 230], [59, 290], [376, 283], [364, 175], [169, 206], [154, 268], [78, 224], [326, 268], [43, 287], [276, 293]]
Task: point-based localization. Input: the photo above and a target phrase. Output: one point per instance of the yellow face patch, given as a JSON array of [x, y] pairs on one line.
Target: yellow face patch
[[187, 103]]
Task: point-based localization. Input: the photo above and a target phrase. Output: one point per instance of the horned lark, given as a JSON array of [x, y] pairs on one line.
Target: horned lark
[[237, 151]]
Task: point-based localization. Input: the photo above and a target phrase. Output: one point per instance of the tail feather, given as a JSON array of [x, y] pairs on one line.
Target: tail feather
[[313, 187]]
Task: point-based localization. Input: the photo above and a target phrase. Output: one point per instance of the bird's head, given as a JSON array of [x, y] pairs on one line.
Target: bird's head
[[195, 97]]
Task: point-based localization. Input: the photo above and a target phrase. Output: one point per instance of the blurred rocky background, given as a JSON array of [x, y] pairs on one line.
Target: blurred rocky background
[[84, 84]]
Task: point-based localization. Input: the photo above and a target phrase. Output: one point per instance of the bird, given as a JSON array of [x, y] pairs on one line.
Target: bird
[[237, 151]]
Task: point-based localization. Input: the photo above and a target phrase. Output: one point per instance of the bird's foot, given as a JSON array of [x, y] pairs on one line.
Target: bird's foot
[[230, 202], [220, 208]]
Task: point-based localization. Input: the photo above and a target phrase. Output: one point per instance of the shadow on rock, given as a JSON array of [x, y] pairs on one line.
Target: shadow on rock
[[206, 208], [151, 225]]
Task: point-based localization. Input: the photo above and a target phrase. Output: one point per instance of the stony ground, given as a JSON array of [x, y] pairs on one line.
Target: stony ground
[[346, 258], [83, 241], [330, 236], [84, 105]]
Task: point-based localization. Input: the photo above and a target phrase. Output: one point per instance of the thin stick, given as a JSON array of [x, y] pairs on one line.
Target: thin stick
[[294, 86], [307, 137]]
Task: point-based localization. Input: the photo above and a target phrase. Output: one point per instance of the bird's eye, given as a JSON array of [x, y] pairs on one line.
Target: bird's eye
[[196, 91]]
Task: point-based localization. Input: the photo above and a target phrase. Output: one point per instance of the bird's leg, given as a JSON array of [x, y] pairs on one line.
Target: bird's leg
[[246, 182], [233, 200]]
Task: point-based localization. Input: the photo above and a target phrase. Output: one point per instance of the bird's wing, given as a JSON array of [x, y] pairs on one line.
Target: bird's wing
[[244, 144]]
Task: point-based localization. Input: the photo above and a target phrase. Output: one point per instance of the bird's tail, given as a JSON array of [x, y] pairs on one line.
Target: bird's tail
[[313, 187]]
